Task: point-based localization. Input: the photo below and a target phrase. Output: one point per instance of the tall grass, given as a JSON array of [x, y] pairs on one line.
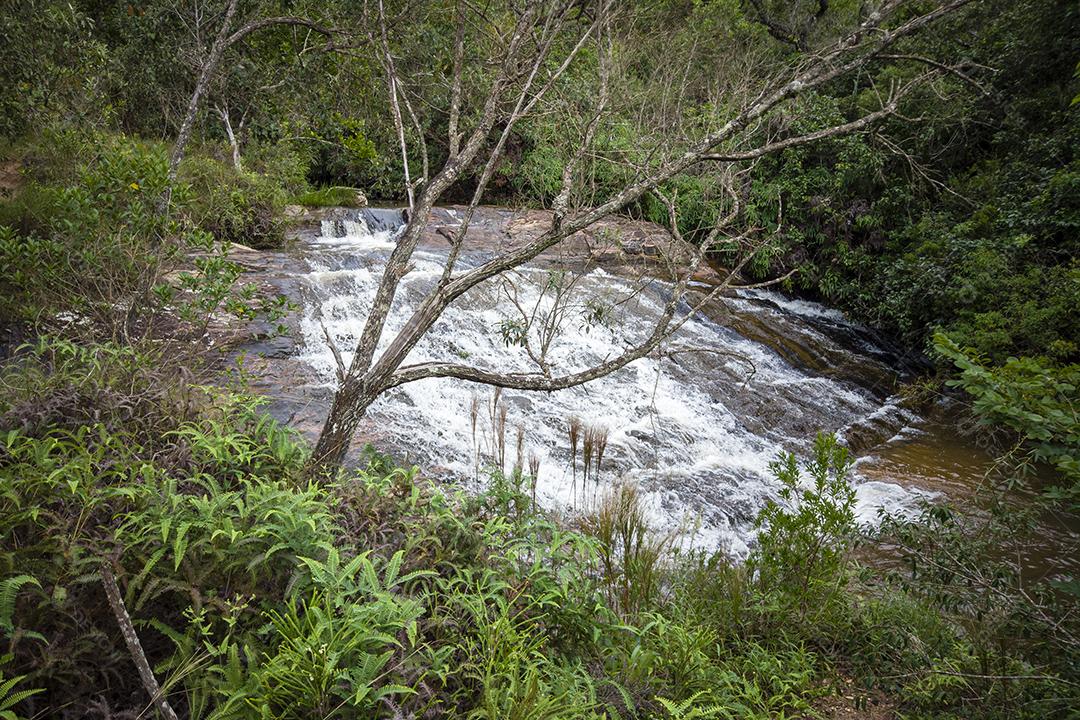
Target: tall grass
[[631, 554]]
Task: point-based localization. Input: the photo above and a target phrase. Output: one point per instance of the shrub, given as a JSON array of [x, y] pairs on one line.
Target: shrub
[[960, 630], [90, 247], [258, 593], [1038, 402], [235, 207], [99, 257], [285, 163], [802, 558]]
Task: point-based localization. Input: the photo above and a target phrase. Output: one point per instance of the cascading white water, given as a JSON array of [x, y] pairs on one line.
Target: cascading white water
[[696, 428]]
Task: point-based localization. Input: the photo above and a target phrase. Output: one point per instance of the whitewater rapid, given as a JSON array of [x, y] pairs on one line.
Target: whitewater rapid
[[696, 427]]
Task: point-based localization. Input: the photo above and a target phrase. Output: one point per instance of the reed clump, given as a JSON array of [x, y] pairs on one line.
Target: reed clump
[[631, 553], [574, 431]]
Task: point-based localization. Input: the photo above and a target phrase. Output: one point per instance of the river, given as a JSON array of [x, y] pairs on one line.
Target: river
[[695, 427]]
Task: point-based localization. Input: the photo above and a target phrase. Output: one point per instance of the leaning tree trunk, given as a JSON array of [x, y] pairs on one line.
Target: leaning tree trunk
[[201, 86], [222, 42], [131, 639], [350, 404]]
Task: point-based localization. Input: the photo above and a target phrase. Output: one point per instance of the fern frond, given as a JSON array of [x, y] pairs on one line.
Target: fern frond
[[9, 591]]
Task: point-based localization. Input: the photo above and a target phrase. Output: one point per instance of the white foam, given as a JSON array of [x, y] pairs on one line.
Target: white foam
[[357, 235], [681, 426], [805, 308], [873, 496]]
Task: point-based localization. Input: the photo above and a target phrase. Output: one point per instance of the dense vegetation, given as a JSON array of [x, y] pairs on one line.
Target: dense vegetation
[[259, 592], [964, 223], [259, 589]]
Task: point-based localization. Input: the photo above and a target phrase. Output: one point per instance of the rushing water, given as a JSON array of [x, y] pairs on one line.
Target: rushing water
[[696, 428]]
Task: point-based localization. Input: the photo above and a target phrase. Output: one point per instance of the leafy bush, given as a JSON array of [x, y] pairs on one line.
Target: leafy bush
[[257, 593], [803, 552], [960, 630], [284, 163], [1039, 403], [98, 254], [57, 384], [235, 207], [89, 246]]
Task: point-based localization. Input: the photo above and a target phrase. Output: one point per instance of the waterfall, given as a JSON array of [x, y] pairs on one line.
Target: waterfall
[[695, 427]]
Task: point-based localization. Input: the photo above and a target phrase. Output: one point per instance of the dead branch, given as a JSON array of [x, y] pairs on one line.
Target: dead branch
[[131, 639], [339, 363], [951, 69]]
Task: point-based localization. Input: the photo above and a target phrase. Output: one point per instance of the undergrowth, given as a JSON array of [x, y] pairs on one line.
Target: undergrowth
[[260, 591], [98, 242]]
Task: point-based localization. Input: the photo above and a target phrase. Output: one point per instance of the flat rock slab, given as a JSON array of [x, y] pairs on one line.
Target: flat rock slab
[[619, 245]]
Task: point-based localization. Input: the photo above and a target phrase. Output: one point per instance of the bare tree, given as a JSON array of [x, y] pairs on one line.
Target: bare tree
[[227, 35], [529, 55], [232, 135]]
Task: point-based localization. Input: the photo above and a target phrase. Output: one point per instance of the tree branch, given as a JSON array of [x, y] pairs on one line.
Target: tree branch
[[951, 69], [410, 237], [774, 147], [455, 88], [282, 20], [131, 639]]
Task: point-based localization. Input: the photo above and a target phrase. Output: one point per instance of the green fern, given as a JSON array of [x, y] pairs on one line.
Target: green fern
[[9, 696], [9, 591], [690, 709]]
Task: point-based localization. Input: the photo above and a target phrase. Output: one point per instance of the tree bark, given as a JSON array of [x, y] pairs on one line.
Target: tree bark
[[131, 639], [201, 85], [348, 408]]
